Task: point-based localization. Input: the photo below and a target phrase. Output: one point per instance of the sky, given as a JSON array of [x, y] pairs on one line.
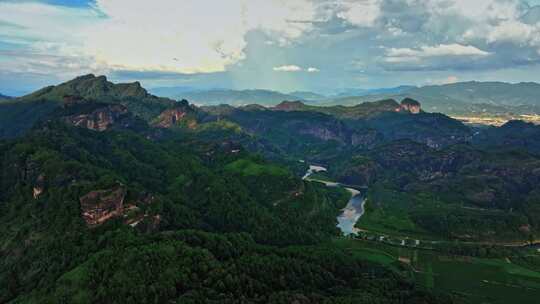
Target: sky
[[311, 45]]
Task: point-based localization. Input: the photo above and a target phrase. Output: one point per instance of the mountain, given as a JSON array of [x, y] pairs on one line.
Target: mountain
[[20, 114], [363, 110], [294, 129], [234, 97]]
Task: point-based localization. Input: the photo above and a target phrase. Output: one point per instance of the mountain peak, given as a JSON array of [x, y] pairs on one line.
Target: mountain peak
[[91, 87], [410, 105]]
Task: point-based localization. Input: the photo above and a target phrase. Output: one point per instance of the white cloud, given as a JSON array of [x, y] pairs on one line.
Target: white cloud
[[361, 12], [515, 32], [191, 36], [288, 68], [295, 68], [442, 50], [203, 35]]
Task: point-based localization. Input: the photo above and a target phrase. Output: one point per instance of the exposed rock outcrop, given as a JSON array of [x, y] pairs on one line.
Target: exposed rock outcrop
[[39, 186], [102, 118], [410, 105], [99, 206], [170, 118], [180, 113]]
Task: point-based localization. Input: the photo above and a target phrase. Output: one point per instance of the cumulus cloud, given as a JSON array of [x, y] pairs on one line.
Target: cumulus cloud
[[257, 37], [360, 12], [182, 36]]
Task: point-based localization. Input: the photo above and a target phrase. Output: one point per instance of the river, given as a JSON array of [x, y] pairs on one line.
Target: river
[[354, 209]]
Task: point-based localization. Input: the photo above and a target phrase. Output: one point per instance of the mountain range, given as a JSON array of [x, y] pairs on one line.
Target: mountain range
[[464, 98], [232, 97]]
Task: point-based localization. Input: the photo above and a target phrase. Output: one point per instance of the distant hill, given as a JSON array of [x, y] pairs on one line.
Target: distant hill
[[4, 97], [364, 92], [463, 98], [171, 92], [306, 95], [236, 97], [492, 93]]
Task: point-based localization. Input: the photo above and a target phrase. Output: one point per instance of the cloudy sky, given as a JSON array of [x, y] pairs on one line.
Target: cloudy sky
[[318, 45]]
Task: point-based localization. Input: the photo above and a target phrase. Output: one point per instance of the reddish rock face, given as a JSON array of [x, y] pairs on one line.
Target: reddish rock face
[[170, 118], [99, 206], [100, 119]]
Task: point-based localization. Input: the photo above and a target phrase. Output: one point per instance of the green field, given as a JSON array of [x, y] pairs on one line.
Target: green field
[[471, 280], [392, 221]]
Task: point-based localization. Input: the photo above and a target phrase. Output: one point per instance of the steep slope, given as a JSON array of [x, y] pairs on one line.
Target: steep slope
[[20, 114], [92, 88]]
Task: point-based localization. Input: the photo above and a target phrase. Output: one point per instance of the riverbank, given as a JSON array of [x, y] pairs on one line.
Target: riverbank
[[354, 209]]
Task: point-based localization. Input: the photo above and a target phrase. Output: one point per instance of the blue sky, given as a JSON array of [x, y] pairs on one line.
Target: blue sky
[[286, 45]]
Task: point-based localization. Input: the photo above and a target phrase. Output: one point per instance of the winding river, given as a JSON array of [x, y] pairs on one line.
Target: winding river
[[354, 209]]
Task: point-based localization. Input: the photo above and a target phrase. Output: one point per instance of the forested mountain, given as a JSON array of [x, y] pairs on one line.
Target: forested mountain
[[109, 194], [403, 154], [20, 114], [114, 195]]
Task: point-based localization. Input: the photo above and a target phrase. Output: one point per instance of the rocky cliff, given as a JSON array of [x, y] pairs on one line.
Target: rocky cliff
[[102, 118], [410, 105], [181, 113], [101, 205]]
